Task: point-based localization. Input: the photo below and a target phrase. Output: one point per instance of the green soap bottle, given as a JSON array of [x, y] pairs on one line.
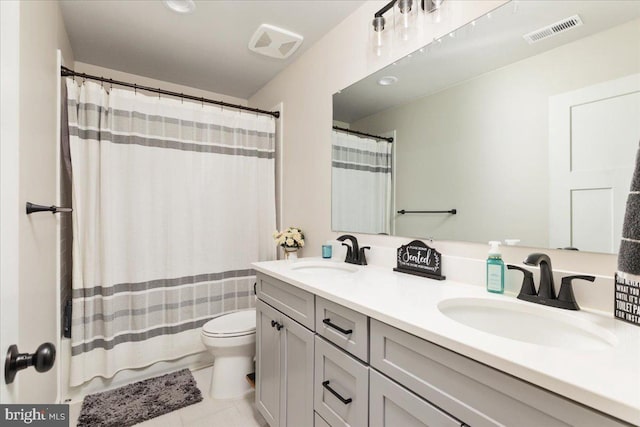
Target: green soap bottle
[[495, 269]]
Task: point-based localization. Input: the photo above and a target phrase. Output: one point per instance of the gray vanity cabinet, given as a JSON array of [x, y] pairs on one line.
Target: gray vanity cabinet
[[475, 393], [284, 357], [391, 405], [408, 381]]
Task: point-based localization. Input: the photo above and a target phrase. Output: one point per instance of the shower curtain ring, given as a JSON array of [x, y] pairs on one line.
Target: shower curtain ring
[[135, 89], [202, 101], [102, 82], [158, 93]]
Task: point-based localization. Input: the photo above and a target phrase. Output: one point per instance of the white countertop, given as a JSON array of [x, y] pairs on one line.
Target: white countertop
[[607, 380]]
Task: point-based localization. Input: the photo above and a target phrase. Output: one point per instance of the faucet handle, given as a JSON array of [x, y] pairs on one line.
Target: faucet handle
[[565, 296], [362, 258], [528, 288]]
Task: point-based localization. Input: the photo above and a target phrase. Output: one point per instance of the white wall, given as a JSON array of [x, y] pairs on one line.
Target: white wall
[[491, 134], [341, 58], [108, 73]]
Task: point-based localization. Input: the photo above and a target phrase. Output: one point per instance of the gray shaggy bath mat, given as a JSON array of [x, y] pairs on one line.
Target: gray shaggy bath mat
[[138, 402]]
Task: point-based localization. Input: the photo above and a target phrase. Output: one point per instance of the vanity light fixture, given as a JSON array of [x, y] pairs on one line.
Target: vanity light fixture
[[180, 6], [387, 80], [407, 9]]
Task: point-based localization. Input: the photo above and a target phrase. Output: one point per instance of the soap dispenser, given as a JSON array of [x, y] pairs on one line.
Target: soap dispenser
[[495, 269]]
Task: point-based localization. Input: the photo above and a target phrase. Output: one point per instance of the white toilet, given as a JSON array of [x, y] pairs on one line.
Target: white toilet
[[231, 339]]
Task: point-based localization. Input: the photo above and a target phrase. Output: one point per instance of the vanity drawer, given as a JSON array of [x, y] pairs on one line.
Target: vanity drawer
[[392, 405], [344, 327], [473, 392], [294, 302], [318, 421], [341, 387]]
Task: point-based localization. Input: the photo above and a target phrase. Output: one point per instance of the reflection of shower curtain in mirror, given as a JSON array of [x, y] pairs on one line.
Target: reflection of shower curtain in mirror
[[172, 203], [361, 184]]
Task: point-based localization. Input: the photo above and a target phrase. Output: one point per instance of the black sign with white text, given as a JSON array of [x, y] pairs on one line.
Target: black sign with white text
[[627, 300], [419, 259]]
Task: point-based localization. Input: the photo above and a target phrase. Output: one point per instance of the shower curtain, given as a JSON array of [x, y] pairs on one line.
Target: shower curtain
[[172, 202], [361, 184]]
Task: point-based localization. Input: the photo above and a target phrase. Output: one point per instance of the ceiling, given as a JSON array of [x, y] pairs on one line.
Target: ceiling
[[206, 49], [491, 42]]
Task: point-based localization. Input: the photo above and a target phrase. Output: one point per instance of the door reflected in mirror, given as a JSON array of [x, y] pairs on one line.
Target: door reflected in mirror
[[526, 122]]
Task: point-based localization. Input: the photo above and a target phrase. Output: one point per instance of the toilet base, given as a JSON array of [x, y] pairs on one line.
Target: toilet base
[[228, 380]]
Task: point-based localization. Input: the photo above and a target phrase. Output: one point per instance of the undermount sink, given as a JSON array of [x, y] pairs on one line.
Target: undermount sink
[[528, 322], [323, 269]]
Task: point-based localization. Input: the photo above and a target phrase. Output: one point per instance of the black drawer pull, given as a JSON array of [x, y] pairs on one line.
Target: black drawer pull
[[336, 327], [325, 384]]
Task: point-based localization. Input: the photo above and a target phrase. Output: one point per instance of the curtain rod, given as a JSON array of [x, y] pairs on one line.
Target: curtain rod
[[388, 139], [67, 72]]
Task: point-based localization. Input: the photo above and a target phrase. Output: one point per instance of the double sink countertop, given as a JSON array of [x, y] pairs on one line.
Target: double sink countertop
[[606, 378]]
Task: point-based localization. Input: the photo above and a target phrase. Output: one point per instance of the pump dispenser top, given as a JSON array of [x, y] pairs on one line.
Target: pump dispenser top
[[494, 248]]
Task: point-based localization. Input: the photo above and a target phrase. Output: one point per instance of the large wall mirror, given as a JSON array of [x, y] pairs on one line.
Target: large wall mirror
[[526, 122]]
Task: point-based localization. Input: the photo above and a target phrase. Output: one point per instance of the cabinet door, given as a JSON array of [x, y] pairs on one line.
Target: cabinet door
[[268, 363], [391, 405], [297, 378]]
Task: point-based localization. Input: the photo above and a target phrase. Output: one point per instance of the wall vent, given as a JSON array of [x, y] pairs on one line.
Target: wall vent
[[553, 29], [274, 42]]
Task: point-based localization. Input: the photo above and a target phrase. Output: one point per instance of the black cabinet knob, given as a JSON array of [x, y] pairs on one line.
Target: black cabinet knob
[[276, 325]]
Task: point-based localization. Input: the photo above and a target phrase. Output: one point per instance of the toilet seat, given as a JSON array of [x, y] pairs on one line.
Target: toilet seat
[[236, 324]]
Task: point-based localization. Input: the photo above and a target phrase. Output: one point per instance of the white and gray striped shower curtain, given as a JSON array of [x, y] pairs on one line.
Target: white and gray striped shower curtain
[[172, 202], [361, 184]]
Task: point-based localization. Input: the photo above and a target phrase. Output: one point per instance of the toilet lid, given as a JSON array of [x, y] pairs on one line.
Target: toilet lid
[[236, 323]]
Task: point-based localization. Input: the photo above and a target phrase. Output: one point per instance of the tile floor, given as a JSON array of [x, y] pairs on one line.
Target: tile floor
[[209, 412]]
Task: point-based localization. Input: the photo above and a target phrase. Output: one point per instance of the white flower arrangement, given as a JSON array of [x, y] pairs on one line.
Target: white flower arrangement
[[292, 237]]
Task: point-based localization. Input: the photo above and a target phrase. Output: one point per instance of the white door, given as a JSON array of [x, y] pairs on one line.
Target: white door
[[28, 167], [593, 139], [9, 60]]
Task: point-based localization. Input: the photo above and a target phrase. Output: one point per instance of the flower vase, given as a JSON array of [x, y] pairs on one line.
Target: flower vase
[[291, 253]]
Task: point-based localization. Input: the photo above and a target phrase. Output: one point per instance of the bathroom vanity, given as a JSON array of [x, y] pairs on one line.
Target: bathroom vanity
[[343, 345]]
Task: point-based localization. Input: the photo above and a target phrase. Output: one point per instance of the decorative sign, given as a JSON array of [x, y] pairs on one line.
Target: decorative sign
[[419, 259], [627, 299]]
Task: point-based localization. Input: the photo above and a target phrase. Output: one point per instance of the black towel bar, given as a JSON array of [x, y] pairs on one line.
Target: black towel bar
[[452, 212]]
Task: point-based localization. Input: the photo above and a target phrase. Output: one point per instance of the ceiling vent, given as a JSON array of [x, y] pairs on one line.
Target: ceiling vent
[[553, 29], [274, 42]]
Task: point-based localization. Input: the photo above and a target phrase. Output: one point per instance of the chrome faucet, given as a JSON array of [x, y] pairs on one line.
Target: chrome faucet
[[546, 294], [355, 254]]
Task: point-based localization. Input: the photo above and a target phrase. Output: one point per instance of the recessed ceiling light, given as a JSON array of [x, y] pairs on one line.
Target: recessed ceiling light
[[387, 80], [180, 6]]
